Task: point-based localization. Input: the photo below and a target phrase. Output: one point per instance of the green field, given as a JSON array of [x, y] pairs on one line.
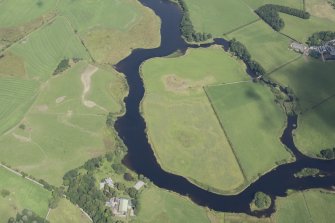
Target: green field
[[44, 49], [192, 143], [307, 206], [60, 131], [219, 16], [266, 46], [16, 96], [321, 9], [23, 194], [291, 3], [104, 25], [66, 212], [247, 111], [27, 10], [157, 205], [313, 83]]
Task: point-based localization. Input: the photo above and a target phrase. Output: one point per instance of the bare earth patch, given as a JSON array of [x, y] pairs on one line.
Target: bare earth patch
[[60, 99], [86, 80], [176, 84], [42, 108], [21, 138]]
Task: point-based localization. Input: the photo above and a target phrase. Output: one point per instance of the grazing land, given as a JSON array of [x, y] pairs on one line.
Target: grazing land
[[298, 4], [306, 206], [22, 194], [266, 46], [192, 143], [247, 111], [312, 81], [219, 17], [103, 26], [157, 205], [61, 131], [66, 212]]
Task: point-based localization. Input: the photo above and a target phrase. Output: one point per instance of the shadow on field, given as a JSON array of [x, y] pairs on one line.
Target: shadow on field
[[313, 82]]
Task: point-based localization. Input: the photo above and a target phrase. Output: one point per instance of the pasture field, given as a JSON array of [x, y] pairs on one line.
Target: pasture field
[[298, 4], [247, 111], [67, 212], [23, 194], [306, 206], [219, 16], [321, 9], [158, 205], [16, 96], [64, 127], [266, 46], [44, 49], [27, 10], [312, 81], [12, 65], [105, 25], [192, 143], [301, 29]]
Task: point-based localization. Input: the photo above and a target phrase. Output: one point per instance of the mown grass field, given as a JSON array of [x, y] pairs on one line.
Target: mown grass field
[[321, 9], [192, 142], [219, 16], [291, 3], [313, 83], [60, 132], [266, 46], [253, 123], [157, 205], [23, 194], [17, 12], [16, 96], [105, 25], [44, 49], [307, 206], [66, 212]]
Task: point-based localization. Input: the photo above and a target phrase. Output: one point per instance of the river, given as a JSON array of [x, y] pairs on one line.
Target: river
[[140, 158]]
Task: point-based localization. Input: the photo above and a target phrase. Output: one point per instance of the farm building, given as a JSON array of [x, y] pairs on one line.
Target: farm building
[[298, 47], [139, 185], [120, 206]]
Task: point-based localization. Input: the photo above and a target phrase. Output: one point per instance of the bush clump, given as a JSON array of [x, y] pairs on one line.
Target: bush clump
[[62, 66]]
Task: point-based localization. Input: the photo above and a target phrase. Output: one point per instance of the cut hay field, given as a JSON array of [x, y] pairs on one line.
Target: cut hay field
[[66, 212], [253, 124], [321, 9], [266, 46], [105, 25], [192, 143], [23, 194], [291, 3], [44, 49], [313, 83], [306, 206], [65, 126], [16, 96], [219, 16]]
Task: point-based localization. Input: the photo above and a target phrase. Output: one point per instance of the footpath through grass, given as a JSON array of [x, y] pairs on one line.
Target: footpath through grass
[[22, 194], [253, 124], [187, 137], [60, 131]]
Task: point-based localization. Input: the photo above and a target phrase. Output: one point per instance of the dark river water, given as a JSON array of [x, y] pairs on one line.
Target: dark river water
[[140, 158]]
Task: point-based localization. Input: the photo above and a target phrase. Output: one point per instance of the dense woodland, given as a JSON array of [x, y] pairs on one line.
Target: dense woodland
[[240, 51], [270, 14], [319, 38], [187, 28]]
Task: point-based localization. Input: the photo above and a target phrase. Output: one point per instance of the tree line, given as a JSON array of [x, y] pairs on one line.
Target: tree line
[[187, 28], [270, 14], [240, 51], [328, 154], [27, 216], [320, 38]]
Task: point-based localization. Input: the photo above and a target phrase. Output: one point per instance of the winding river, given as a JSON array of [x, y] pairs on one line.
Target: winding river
[[140, 158]]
